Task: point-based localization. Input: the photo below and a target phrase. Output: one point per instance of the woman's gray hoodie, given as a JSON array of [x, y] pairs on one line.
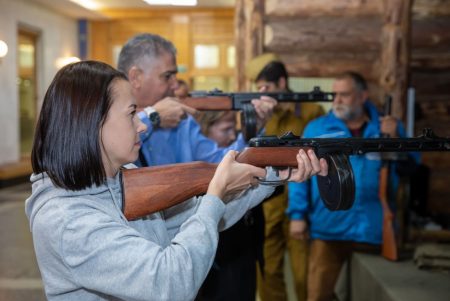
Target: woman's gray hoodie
[[87, 250]]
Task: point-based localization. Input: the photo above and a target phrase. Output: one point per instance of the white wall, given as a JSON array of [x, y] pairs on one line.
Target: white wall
[[58, 38]]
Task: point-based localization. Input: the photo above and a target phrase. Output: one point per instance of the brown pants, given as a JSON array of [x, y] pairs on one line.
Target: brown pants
[[272, 286], [325, 263]]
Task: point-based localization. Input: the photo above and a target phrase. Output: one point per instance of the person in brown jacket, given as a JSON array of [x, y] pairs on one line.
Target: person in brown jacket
[[269, 75]]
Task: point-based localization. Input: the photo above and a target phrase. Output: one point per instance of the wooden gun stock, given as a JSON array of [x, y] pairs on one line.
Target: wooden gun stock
[[389, 245], [150, 189], [212, 103]]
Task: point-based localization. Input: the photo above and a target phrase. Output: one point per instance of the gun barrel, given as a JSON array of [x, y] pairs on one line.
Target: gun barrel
[[355, 146]]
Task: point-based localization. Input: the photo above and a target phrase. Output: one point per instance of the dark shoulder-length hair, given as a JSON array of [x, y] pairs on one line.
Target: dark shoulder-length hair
[[67, 144]]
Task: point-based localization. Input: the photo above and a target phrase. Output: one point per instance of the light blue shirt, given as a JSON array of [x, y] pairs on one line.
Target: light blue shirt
[[184, 143]]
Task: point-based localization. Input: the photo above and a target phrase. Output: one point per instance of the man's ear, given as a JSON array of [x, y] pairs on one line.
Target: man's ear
[[282, 83], [134, 77]]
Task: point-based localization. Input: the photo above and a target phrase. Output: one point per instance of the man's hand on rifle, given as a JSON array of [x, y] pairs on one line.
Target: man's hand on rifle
[[264, 110], [389, 126], [298, 229], [171, 112]]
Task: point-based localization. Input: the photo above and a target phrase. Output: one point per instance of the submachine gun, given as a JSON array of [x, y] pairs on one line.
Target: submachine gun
[[150, 189], [217, 100]]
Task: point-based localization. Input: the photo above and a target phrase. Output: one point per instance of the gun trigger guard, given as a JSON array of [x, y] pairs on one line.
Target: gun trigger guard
[[275, 183]]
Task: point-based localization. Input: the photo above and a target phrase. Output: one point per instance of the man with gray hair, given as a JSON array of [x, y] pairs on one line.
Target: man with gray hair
[[335, 235], [173, 135]]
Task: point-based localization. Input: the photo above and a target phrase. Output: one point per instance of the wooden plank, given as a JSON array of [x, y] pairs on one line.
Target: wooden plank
[[328, 64], [430, 60], [341, 34], [431, 82], [427, 8], [395, 53], [240, 22], [431, 33], [249, 36], [306, 8], [99, 41]]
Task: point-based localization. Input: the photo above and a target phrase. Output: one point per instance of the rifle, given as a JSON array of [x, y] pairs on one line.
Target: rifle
[[150, 189], [389, 248], [217, 100]]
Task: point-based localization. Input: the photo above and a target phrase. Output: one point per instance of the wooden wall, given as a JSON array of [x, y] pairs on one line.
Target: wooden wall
[[184, 27], [323, 38], [395, 44], [430, 76]]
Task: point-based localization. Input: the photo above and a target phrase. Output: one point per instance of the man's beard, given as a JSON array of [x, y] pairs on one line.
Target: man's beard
[[347, 112]]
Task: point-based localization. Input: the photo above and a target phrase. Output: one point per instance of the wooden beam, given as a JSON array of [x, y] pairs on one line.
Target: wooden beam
[[432, 33], [395, 53], [307, 8], [327, 64], [249, 36], [333, 34], [240, 22], [429, 9]]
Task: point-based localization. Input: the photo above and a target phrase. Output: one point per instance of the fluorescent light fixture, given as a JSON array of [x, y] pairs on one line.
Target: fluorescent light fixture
[[89, 4], [3, 49], [172, 2]]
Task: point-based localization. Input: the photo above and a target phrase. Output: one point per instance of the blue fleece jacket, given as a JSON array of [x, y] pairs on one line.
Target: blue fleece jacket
[[361, 223]]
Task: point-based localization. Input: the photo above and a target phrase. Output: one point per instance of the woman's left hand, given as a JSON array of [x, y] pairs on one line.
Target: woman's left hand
[[308, 166]]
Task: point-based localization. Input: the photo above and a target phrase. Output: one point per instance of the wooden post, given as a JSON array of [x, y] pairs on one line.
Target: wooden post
[[395, 52], [249, 36]]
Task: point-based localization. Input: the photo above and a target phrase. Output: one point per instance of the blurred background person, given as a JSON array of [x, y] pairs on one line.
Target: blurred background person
[[233, 274], [336, 234], [183, 89], [270, 75]]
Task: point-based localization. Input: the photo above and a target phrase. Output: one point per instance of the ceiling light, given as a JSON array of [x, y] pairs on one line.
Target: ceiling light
[[89, 4], [172, 2]]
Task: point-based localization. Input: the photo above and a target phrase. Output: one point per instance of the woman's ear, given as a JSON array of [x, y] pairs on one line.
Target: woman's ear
[[134, 77]]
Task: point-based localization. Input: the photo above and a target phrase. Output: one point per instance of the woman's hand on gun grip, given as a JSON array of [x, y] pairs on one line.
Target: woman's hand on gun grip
[[308, 166], [232, 177]]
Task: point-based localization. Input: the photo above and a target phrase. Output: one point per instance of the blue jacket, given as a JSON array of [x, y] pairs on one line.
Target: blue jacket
[[363, 222], [184, 143]]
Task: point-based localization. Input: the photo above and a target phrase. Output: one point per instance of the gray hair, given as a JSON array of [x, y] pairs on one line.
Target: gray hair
[[358, 80], [139, 46]]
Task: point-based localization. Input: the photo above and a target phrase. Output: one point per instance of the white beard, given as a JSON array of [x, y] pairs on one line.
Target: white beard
[[347, 112]]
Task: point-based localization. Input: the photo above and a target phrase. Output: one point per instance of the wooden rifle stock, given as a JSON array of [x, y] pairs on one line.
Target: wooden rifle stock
[[150, 189], [389, 248], [389, 245], [212, 103]]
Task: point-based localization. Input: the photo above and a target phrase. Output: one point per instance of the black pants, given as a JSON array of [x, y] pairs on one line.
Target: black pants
[[233, 274]]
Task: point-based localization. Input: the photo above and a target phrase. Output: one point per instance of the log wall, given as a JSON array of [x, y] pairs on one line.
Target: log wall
[[395, 44], [430, 76]]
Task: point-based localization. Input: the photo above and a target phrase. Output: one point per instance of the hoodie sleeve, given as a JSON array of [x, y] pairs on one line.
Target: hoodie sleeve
[[110, 257], [234, 209]]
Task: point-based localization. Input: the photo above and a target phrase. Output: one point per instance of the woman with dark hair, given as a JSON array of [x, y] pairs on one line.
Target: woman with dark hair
[[86, 249]]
